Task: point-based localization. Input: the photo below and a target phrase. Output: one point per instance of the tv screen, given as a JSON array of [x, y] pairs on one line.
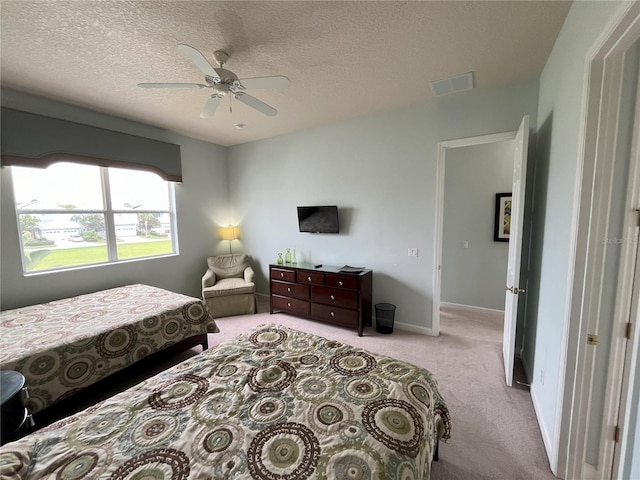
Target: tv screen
[[320, 219]]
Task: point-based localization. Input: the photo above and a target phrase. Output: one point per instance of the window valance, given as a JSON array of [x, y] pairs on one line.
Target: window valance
[[32, 140]]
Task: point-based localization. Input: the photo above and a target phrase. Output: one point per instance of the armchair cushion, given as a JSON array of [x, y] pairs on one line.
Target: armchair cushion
[[228, 266], [228, 286]]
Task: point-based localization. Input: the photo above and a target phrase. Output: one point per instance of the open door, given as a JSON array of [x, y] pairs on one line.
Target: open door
[[515, 248]]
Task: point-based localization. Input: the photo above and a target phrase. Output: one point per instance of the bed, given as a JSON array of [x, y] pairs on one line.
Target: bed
[[274, 403], [66, 345]]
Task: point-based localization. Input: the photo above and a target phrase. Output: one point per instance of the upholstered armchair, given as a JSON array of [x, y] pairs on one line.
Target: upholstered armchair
[[228, 286]]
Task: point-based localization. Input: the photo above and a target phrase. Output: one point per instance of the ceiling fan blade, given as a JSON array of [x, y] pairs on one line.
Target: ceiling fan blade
[[198, 59], [210, 107], [277, 81], [171, 85], [255, 103]]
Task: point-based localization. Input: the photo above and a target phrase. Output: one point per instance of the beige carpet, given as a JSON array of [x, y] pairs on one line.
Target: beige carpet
[[494, 431]]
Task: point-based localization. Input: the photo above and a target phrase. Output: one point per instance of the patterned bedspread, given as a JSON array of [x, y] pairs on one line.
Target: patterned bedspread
[[65, 345], [272, 404]]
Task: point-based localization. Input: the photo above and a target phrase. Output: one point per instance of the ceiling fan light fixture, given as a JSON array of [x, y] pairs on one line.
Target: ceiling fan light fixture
[[221, 89]]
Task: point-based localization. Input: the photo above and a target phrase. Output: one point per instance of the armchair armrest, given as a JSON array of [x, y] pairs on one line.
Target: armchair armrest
[[208, 279], [249, 275]]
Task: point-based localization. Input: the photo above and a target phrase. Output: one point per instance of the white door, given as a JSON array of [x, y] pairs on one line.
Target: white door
[[515, 247]]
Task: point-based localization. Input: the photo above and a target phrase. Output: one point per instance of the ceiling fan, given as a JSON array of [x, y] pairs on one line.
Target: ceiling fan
[[224, 82]]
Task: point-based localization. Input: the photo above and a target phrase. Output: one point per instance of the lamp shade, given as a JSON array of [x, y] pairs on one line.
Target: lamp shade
[[228, 233]]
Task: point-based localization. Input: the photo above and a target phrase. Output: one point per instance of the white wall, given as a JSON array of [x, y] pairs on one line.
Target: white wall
[[475, 275], [381, 172], [560, 112], [201, 202]]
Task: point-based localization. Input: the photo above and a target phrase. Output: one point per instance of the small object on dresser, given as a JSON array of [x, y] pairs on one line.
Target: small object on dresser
[[287, 256], [318, 266], [294, 260], [280, 262], [349, 269]]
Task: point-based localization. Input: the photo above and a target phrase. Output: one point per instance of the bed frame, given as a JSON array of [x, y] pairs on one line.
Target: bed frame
[[131, 375]]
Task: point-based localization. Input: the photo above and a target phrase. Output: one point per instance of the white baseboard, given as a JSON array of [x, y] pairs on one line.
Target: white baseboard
[[470, 307], [407, 327], [546, 436]]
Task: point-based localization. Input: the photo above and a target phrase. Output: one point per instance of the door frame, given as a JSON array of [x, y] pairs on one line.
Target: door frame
[[598, 134], [443, 147]]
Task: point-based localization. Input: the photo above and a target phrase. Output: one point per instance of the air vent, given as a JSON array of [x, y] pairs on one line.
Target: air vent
[[460, 83]]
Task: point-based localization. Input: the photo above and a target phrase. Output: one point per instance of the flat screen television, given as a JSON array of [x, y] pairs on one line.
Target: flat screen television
[[319, 219]]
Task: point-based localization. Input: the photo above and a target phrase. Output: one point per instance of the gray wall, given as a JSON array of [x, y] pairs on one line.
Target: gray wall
[[201, 203], [476, 275], [560, 112], [381, 172]]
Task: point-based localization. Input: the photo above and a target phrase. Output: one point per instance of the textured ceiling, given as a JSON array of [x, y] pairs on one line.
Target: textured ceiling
[[344, 59]]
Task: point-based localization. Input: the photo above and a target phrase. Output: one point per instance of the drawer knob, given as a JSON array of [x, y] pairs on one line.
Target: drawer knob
[[340, 282], [288, 289], [333, 297], [333, 314], [309, 278], [281, 274], [288, 304]]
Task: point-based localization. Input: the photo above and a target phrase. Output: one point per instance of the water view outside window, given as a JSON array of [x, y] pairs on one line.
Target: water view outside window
[[71, 215]]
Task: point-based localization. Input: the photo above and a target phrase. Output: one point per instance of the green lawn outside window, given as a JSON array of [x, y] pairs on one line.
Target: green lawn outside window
[[70, 257]]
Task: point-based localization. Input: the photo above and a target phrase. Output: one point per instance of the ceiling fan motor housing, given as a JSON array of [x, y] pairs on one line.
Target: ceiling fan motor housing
[[226, 76]]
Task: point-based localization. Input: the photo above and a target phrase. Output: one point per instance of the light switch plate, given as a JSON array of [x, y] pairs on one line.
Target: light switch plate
[[413, 252]]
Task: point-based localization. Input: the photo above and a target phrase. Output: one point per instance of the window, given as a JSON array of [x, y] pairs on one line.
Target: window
[[71, 214]]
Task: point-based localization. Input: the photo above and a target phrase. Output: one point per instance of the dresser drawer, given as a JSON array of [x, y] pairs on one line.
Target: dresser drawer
[[293, 305], [342, 281], [282, 274], [334, 296], [290, 290], [337, 315], [310, 278]]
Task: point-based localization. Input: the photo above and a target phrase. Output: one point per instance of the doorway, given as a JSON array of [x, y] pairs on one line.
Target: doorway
[[474, 263], [510, 224], [598, 417], [444, 148]]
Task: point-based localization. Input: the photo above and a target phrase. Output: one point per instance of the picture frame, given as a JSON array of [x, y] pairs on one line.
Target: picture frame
[[502, 223]]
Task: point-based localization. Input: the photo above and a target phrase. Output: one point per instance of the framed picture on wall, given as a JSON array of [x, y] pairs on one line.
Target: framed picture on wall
[[502, 226]]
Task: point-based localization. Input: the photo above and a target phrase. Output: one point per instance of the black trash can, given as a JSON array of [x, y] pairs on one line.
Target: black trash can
[[385, 313]]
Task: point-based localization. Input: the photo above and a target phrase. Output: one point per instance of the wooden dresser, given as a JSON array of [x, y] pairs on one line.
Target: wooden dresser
[[322, 293]]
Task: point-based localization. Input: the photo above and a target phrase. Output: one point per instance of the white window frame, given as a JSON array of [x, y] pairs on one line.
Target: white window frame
[[110, 230]]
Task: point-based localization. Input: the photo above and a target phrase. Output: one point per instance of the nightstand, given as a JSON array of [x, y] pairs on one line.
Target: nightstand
[[13, 413]]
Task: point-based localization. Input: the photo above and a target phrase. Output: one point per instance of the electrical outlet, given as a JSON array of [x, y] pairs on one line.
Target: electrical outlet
[[413, 252], [465, 244], [542, 377]]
